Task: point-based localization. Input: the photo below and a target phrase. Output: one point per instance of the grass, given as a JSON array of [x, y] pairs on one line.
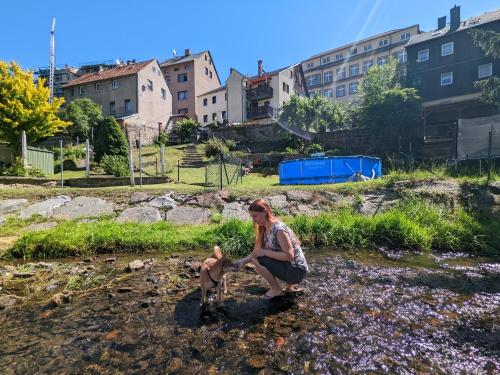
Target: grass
[[413, 224]]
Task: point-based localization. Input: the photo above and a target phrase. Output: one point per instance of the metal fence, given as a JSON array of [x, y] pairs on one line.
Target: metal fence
[[478, 138], [41, 159], [223, 171]]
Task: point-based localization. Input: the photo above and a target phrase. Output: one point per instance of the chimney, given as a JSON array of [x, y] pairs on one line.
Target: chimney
[[187, 52], [454, 18], [259, 68], [441, 22]]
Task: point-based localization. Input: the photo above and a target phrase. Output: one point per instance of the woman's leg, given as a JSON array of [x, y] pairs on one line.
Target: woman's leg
[[268, 276]]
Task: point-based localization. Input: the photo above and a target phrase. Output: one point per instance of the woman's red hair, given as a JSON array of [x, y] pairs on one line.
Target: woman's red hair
[[261, 205]]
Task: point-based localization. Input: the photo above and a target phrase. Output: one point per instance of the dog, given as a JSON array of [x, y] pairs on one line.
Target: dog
[[213, 275]]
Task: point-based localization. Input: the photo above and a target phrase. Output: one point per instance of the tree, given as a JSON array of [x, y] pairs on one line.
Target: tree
[[378, 79], [489, 42], [185, 129], [110, 140], [83, 114], [25, 105]]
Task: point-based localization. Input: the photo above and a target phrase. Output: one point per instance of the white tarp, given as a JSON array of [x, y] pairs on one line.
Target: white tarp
[[473, 137]]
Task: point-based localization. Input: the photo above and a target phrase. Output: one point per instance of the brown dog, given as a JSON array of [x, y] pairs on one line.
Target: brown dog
[[212, 274]]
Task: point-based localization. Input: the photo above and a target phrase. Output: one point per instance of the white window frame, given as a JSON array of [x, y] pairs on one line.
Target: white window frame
[[420, 53], [450, 52], [354, 85], [443, 78], [184, 95], [353, 68], [313, 80], [150, 85], [340, 88], [339, 56], [406, 35], [325, 60], [402, 56], [98, 87], [340, 73], [328, 93], [383, 42], [115, 84], [82, 90], [328, 76], [367, 47], [489, 66], [367, 65]]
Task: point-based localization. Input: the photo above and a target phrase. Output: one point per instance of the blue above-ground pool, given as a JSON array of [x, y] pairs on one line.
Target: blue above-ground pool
[[329, 170]]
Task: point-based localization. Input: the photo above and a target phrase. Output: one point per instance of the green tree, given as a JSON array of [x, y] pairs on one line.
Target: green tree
[[110, 140], [25, 105], [185, 129], [378, 79], [83, 114], [489, 42]]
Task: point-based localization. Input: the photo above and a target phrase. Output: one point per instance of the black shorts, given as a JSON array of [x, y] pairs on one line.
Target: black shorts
[[283, 270]]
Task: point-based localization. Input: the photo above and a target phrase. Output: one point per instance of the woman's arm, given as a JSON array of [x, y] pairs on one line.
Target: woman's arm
[[286, 254]]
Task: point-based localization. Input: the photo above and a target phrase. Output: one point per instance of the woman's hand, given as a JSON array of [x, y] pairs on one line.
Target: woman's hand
[[259, 253]]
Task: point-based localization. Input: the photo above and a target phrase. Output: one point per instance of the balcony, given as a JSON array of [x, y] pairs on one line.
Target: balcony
[[257, 113], [264, 91]]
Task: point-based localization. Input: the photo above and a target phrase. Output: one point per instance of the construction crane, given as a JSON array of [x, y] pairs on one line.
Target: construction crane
[[52, 59]]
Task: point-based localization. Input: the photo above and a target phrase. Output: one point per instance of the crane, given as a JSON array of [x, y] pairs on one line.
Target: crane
[[52, 59]]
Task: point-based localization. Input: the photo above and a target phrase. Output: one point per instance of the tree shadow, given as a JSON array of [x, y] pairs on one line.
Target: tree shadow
[[459, 283]]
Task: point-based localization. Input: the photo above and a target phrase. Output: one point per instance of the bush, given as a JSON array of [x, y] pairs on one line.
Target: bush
[[115, 164], [215, 146], [185, 129], [162, 139], [313, 148], [110, 140], [16, 169]]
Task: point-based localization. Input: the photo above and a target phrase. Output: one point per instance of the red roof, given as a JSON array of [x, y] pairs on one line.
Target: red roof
[[119, 71]]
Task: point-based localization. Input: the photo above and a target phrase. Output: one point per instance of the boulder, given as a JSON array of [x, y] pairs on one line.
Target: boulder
[[278, 202], [235, 210], [83, 207], [163, 202], [300, 196], [138, 197], [40, 226], [495, 187], [188, 215], [303, 209], [207, 200], [44, 208], [11, 205], [59, 299], [140, 214], [372, 204]]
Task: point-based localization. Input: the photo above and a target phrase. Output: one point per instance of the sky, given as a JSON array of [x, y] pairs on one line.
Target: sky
[[237, 32]]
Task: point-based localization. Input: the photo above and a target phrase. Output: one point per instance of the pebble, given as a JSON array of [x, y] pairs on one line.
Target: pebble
[[136, 265]]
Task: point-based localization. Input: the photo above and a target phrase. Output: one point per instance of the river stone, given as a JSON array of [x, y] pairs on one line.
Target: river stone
[[40, 226], [495, 187], [188, 215], [372, 204], [163, 201], [303, 209], [45, 208], [299, 196], [140, 214], [278, 202], [235, 210], [11, 205], [136, 265], [174, 365], [84, 207], [7, 301], [138, 197]]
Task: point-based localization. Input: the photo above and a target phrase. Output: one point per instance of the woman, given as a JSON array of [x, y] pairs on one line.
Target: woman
[[277, 252]]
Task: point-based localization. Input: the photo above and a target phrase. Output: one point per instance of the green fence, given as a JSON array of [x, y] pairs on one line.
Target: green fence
[[41, 159]]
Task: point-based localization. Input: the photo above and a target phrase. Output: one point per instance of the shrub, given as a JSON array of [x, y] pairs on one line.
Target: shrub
[[313, 148], [215, 146], [115, 164], [185, 129], [162, 139], [110, 140], [16, 169]]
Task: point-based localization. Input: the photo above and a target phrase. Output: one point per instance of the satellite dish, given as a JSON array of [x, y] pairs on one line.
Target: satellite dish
[[174, 52]]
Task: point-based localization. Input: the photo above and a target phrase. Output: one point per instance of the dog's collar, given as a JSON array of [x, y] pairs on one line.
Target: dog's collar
[[211, 279]]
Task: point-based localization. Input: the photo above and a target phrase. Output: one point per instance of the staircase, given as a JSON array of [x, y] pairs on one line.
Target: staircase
[[191, 158]]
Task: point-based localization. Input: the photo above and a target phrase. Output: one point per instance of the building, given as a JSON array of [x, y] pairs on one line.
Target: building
[[337, 73], [62, 75], [252, 99], [136, 94], [187, 77], [443, 65]]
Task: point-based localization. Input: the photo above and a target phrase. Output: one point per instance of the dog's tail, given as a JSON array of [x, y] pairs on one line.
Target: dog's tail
[[217, 252]]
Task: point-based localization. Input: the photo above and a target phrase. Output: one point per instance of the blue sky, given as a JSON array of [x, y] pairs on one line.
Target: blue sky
[[238, 33]]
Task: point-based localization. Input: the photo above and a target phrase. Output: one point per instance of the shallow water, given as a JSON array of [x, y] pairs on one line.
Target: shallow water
[[361, 312]]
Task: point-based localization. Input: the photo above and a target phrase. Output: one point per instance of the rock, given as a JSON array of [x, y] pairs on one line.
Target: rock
[[207, 200], [278, 203], [110, 260], [125, 289], [299, 196], [44, 265], [372, 204], [2, 219], [23, 275], [303, 209], [88, 260], [7, 301], [225, 195], [83, 207], [45, 208], [257, 361], [174, 365], [51, 288], [11, 205], [136, 265], [163, 202], [235, 210], [59, 299], [337, 199], [140, 215], [37, 227], [495, 187], [188, 215], [194, 266], [138, 197]]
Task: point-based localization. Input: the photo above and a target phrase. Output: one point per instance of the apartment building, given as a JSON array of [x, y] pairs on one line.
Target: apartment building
[[337, 73], [62, 75], [212, 106], [187, 77], [136, 94]]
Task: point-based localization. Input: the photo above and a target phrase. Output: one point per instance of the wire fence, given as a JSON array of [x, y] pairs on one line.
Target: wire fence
[[224, 171]]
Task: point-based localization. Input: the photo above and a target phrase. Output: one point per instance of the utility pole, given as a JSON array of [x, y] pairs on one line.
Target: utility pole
[[52, 60]]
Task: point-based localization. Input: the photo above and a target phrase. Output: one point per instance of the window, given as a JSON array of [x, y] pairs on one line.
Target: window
[[340, 91], [206, 71], [128, 106], [405, 36], [484, 70], [325, 60], [214, 115], [167, 78], [367, 65], [312, 93], [447, 49], [205, 118], [182, 77], [382, 60], [383, 42], [154, 69], [205, 57], [224, 115], [328, 93], [205, 102], [112, 107], [176, 69], [163, 94], [313, 80], [209, 61], [310, 64], [214, 99], [353, 70], [187, 67], [423, 55], [340, 73], [328, 76], [150, 85], [447, 79], [58, 78], [225, 96], [367, 47], [353, 88], [97, 87], [338, 56], [354, 51], [72, 92], [182, 95], [402, 57], [82, 90], [210, 74], [182, 111]]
